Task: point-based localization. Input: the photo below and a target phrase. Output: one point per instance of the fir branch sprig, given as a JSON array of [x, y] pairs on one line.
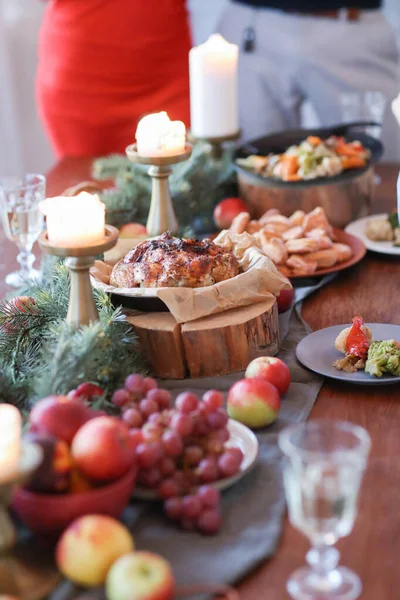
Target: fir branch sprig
[[72, 357], [12, 391], [40, 355]]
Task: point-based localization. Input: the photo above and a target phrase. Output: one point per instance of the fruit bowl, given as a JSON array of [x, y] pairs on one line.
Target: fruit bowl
[[50, 514]]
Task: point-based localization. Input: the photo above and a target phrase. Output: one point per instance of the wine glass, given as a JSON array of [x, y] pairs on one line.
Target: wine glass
[[22, 221], [364, 106], [325, 462]]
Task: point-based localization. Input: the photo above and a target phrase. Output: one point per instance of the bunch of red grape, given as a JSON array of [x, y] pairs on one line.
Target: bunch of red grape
[[180, 448], [199, 510]]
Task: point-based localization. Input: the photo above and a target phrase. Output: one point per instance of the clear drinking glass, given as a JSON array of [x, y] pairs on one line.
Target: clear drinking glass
[[22, 220], [325, 462], [364, 106]]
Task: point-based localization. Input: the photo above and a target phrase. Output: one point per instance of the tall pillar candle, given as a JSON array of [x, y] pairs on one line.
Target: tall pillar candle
[[213, 88]]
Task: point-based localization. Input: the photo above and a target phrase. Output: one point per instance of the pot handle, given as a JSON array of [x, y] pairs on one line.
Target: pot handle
[[346, 127]]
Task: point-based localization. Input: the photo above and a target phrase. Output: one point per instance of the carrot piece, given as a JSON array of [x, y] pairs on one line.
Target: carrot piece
[[314, 140], [294, 177], [290, 166], [348, 150], [352, 162]]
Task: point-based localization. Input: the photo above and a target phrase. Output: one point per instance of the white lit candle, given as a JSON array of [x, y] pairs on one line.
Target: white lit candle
[[213, 88], [10, 440], [157, 135], [74, 222]]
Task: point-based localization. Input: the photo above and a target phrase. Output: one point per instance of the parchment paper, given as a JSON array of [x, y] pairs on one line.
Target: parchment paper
[[259, 281]]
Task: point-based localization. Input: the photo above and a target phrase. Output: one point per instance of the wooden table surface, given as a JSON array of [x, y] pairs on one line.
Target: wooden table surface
[[372, 290]]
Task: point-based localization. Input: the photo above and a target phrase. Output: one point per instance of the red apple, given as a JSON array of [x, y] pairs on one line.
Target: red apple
[[271, 369], [227, 210], [24, 304], [133, 230], [102, 449], [53, 474], [254, 402], [285, 300], [59, 416], [140, 576], [86, 391]]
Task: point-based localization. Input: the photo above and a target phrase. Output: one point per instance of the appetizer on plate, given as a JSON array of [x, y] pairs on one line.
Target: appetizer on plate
[[384, 229], [354, 343], [311, 159], [361, 352], [167, 261], [299, 245]]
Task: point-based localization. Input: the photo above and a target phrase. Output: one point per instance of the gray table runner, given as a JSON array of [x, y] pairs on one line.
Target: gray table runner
[[253, 509]]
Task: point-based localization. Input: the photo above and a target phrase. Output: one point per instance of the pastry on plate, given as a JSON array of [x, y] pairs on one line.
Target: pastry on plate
[[167, 261]]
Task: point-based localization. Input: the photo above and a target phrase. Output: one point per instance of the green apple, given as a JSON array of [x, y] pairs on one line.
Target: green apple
[[140, 576], [253, 402]]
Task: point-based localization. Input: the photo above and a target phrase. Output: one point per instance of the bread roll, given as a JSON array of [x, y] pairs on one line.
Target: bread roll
[[343, 252], [324, 258]]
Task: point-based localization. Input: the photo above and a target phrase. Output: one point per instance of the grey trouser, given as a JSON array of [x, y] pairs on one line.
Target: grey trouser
[[303, 57]]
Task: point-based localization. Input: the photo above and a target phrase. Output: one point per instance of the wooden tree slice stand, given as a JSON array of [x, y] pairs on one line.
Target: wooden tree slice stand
[[216, 345]]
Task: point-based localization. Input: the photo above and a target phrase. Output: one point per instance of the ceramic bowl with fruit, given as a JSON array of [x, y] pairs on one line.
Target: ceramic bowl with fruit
[[185, 452], [88, 465]]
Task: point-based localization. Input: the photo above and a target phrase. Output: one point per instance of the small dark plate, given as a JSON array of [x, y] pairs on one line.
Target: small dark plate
[[317, 352], [277, 143]]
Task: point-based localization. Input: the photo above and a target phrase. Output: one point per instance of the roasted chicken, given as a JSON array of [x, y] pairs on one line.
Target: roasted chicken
[[167, 261]]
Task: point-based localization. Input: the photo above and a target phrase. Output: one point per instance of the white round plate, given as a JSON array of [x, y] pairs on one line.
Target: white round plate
[[240, 437], [317, 352], [357, 228]]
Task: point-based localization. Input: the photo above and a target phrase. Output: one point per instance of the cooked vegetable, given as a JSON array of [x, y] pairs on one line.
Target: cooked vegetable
[[312, 158], [383, 357], [384, 230], [393, 219]]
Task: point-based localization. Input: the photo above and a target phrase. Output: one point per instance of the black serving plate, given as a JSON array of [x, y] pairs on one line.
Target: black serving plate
[[277, 143], [142, 304]]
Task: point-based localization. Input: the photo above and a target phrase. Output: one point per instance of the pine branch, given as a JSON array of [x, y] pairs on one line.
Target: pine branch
[[12, 391], [103, 353], [40, 355], [108, 167]]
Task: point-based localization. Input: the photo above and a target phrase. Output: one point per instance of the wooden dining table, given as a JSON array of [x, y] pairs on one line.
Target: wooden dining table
[[370, 289]]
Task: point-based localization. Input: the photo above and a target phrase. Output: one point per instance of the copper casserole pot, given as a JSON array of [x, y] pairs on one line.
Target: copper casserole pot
[[344, 197]]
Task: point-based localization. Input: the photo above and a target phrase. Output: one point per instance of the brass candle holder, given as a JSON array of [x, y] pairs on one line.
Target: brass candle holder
[[161, 215], [82, 308], [217, 143], [30, 459]]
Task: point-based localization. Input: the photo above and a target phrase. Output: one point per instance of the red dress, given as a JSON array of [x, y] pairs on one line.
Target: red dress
[[103, 64]]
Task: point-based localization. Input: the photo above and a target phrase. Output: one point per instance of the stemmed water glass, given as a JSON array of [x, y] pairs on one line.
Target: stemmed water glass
[[324, 465], [22, 220], [364, 106]]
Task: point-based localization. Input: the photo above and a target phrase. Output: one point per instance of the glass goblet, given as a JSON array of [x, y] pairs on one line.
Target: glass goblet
[[325, 462], [364, 106], [22, 221]]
